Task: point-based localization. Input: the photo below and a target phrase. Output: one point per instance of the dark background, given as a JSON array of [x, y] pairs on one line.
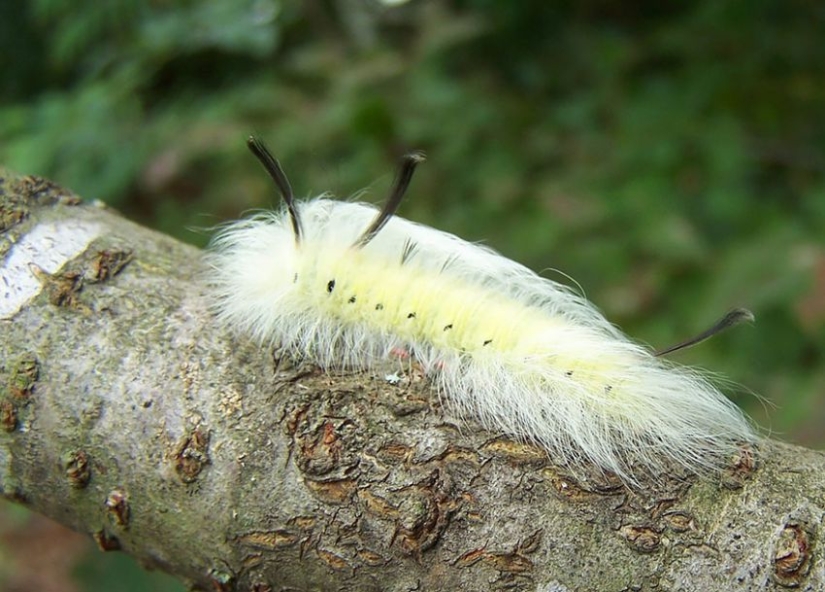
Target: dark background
[[670, 159]]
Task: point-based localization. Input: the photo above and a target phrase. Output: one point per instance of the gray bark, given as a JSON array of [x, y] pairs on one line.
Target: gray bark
[[126, 413]]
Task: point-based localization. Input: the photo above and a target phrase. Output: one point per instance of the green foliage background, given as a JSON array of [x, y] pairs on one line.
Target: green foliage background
[[669, 156]]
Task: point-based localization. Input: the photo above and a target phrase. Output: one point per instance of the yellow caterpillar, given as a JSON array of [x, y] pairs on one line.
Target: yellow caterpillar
[[344, 285]]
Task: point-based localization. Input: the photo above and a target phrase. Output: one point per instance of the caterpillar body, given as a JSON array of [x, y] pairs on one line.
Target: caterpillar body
[[344, 285]]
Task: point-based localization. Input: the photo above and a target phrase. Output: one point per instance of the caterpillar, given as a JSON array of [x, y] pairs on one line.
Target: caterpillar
[[345, 285]]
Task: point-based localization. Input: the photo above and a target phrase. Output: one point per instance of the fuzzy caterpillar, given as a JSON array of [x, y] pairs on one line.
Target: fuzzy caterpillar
[[343, 285]]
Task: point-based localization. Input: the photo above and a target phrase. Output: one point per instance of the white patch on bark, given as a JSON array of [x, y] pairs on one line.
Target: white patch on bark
[[48, 246]]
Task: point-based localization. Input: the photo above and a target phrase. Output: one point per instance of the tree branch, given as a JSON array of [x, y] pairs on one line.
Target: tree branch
[[126, 413]]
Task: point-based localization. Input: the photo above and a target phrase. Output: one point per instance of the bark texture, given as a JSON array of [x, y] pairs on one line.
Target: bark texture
[[127, 414]]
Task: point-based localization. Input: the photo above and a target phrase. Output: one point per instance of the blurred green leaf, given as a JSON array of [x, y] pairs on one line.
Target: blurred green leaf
[[121, 573]]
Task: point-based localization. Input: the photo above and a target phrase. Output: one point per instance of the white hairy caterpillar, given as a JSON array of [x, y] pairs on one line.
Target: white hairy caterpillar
[[344, 285]]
